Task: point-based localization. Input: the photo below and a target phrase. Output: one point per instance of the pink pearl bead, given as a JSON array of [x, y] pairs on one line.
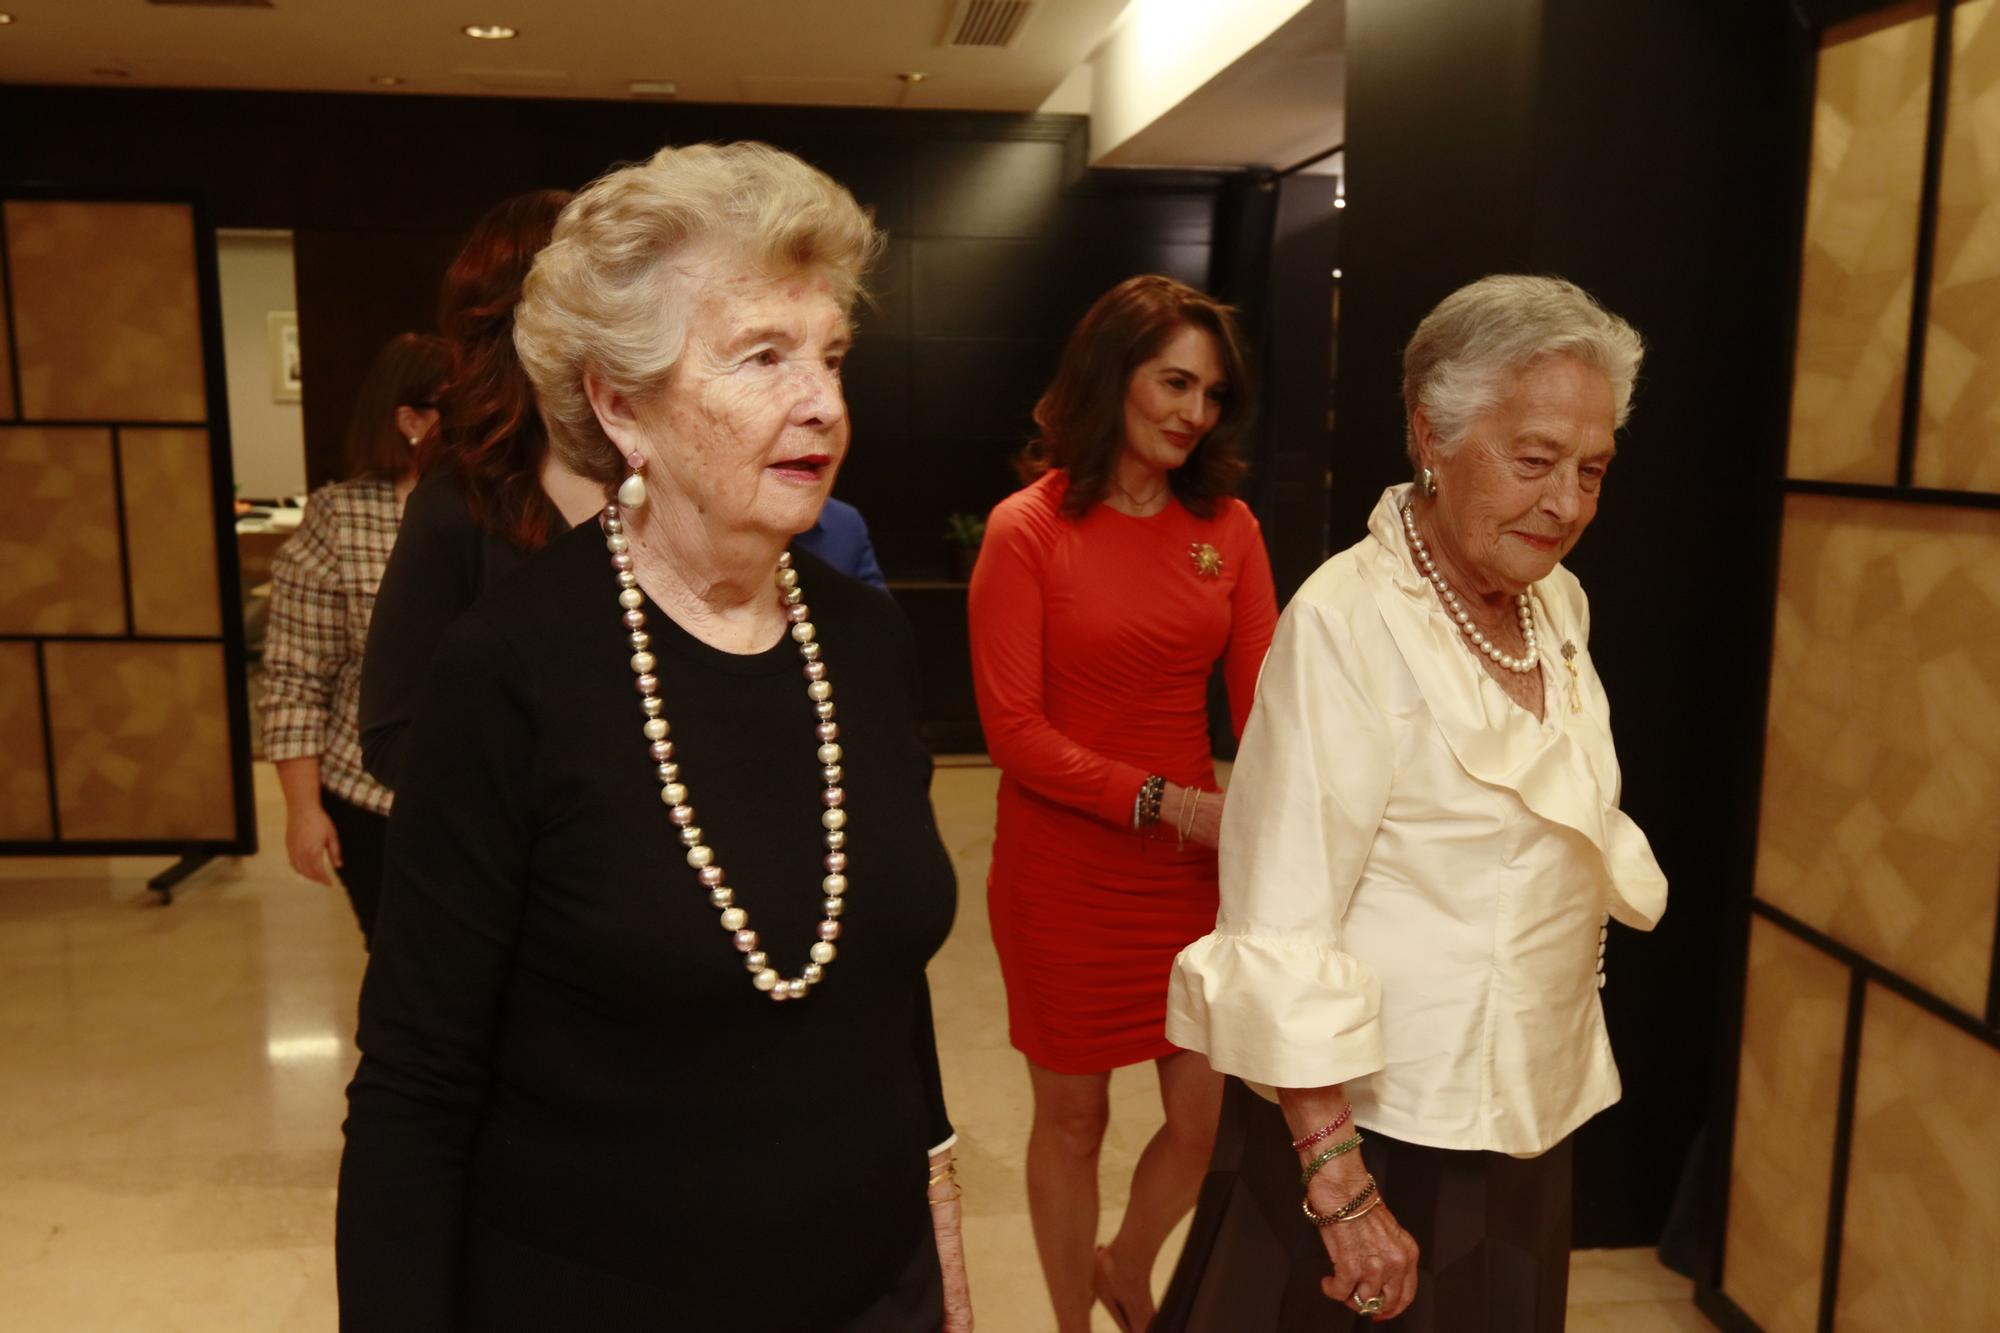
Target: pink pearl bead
[[815, 671], [621, 562], [711, 876], [832, 797], [647, 683], [682, 815], [778, 992], [662, 751], [829, 930], [746, 940], [836, 862], [634, 618], [797, 613], [827, 731]]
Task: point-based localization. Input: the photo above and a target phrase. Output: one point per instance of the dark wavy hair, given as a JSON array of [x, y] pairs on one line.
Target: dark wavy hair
[[490, 431], [405, 373], [1081, 416]]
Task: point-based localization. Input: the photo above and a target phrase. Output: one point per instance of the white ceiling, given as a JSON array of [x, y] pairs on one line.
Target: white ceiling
[[824, 52], [1279, 102]]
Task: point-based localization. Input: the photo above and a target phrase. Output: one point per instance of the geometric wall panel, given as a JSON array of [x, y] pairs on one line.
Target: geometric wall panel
[[1958, 435], [58, 533], [1859, 260], [6, 379], [24, 783], [1922, 1224], [141, 734], [1882, 751], [1788, 1094], [106, 313], [170, 530]]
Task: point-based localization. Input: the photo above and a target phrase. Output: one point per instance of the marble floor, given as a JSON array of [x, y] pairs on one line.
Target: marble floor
[[170, 1101]]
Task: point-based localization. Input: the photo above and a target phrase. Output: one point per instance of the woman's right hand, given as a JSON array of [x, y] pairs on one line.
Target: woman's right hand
[[311, 842], [1178, 802], [1372, 1255]]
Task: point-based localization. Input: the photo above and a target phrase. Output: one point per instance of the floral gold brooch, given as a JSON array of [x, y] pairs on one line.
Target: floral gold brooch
[[1207, 560]]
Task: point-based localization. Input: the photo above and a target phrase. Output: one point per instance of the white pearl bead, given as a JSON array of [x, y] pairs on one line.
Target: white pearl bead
[[656, 728], [632, 492], [643, 662], [734, 918], [699, 857], [811, 973], [823, 952], [834, 885], [788, 578], [829, 753], [631, 599], [833, 819], [765, 979], [784, 560], [820, 691], [617, 543], [674, 794], [721, 896], [756, 960], [803, 631]]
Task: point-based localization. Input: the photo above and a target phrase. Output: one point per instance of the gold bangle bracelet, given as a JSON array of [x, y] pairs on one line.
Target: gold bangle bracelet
[[957, 1193], [1373, 1204], [943, 1174]]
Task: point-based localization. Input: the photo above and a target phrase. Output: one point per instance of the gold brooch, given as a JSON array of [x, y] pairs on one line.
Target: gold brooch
[[1207, 560], [1569, 660]]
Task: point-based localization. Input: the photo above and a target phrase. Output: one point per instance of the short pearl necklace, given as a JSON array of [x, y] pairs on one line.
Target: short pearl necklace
[[674, 793], [1528, 660]]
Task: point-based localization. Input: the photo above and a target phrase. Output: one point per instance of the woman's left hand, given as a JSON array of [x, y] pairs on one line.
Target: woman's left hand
[[944, 1200]]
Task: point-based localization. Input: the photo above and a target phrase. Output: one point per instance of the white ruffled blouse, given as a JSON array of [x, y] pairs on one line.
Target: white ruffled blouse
[[1416, 873]]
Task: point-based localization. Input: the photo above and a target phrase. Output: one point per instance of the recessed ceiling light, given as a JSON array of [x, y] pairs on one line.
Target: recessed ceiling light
[[491, 32], [386, 80]]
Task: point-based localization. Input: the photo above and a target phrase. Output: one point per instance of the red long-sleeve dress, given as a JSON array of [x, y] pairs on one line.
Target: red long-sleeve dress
[[1092, 644]]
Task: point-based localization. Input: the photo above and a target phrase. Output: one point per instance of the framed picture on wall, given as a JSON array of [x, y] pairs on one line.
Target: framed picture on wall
[[282, 350]]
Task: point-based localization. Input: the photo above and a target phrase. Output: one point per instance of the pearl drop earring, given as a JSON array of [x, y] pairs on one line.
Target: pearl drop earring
[[632, 491]]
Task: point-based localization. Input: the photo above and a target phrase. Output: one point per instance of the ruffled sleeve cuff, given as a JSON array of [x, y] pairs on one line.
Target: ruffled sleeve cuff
[[1277, 1010]]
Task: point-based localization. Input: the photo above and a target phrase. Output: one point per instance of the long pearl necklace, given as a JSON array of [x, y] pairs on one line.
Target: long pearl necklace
[[1528, 660], [674, 793]]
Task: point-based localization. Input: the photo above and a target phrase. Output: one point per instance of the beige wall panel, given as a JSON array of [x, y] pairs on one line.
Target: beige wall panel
[[58, 533], [1788, 1094], [1958, 436], [1860, 251], [24, 779], [1882, 754], [6, 379], [170, 530], [141, 736], [106, 312], [1923, 1191]]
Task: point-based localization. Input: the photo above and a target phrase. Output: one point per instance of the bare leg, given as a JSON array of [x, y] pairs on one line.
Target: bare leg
[[1167, 1178], [1071, 1111]]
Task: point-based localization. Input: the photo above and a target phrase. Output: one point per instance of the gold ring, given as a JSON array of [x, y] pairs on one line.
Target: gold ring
[[1373, 1305]]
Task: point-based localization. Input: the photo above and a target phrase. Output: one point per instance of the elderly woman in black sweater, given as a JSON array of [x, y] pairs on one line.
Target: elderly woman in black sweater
[[633, 1054]]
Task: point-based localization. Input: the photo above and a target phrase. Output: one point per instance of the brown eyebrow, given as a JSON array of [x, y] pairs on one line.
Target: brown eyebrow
[[1183, 370]]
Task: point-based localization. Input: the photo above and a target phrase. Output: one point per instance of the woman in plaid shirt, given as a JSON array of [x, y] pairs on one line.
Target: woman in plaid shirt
[[322, 590]]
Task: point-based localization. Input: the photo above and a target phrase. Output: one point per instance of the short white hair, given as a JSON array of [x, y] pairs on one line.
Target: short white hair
[[1460, 362], [602, 297]]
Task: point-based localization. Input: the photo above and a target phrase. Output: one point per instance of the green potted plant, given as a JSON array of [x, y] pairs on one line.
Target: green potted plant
[[962, 534]]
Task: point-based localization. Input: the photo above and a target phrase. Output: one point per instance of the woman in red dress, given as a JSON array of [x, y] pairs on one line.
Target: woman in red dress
[[1106, 592]]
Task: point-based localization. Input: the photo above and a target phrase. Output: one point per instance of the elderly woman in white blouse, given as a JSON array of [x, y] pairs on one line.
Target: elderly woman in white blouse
[[1421, 851]]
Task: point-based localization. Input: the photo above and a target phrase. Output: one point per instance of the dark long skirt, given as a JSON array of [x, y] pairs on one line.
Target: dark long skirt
[[1493, 1230]]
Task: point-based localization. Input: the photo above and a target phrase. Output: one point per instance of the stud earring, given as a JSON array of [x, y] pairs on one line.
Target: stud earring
[[632, 491], [1427, 483]]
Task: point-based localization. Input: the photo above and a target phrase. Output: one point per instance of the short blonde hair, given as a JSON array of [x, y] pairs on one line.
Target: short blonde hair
[[601, 299], [1459, 361]]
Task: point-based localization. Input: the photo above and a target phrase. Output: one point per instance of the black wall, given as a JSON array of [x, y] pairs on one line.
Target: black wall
[[1648, 150], [999, 241]]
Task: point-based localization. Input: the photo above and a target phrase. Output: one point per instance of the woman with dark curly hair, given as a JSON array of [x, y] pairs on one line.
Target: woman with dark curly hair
[[1106, 592], [492, 493]]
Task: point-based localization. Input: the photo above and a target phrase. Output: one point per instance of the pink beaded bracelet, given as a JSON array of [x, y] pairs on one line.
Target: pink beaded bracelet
[[1300, 1145]]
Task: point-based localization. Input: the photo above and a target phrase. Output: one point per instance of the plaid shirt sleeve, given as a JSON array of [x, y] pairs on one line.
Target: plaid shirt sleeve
[[306, 638]]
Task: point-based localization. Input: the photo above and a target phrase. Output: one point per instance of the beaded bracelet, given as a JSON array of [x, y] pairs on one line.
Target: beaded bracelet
[[1346, 1145], [1146, 806], [1300, 1145], [1347, 1212]]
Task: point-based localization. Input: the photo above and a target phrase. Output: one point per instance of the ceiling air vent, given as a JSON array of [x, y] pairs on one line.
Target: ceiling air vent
[[990, 23]]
